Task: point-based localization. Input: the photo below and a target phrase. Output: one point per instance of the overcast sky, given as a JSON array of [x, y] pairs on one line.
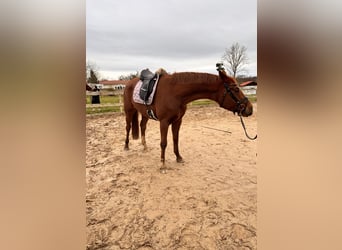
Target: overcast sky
[[125, 36]]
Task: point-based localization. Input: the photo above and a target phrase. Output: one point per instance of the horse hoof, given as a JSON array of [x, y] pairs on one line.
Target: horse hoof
[[126, 148], [163, 170], [180, 160]]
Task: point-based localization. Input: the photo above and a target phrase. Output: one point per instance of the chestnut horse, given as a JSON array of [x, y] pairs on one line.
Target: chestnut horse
[[173, 93]]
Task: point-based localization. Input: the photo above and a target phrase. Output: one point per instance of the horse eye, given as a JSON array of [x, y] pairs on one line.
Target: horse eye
[[236, 89]]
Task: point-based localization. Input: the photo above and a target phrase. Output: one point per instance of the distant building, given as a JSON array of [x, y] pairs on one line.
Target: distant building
[[249, 87], [113, 84]]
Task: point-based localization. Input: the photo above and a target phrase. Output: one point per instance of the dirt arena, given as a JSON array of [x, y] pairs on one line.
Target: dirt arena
[[208, 202]]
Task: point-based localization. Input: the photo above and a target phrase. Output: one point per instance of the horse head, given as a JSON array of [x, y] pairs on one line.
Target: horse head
[[233, 98]]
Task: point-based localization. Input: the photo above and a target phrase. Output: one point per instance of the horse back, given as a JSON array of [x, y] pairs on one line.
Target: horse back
[[131, 84]]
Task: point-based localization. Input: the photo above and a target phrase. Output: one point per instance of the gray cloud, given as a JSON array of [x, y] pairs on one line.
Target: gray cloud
[[126, 36]]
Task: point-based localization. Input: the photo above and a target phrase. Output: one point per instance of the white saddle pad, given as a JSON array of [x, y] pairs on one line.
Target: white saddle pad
[[136, 96]]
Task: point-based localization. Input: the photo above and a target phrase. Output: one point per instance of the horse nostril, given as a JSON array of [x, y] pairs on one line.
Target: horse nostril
[[249, 110]]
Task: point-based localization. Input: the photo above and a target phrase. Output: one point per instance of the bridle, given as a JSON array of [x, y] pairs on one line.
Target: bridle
[[240, 104]]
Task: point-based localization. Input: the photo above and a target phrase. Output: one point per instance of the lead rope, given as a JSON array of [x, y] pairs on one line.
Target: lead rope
[[244, 127]]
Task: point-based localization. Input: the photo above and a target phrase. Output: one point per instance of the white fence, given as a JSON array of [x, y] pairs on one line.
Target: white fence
[[118, 93], [249, 90]]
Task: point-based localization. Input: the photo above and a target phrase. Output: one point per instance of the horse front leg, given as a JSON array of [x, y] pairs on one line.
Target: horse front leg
[[164, 127], [143, 123], [175, 134]]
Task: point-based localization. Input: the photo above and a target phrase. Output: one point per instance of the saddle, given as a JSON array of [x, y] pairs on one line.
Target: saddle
[[148, 79]]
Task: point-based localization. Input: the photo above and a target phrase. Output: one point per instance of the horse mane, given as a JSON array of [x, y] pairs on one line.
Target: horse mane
[[194, 77]]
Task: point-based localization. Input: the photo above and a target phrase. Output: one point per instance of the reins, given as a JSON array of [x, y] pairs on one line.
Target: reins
[[244, 128]]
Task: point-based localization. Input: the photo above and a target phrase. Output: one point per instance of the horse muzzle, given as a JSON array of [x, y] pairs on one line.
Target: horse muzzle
[[247, 111]]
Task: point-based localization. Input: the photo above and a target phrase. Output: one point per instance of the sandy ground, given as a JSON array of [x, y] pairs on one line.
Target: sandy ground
[[208, 202]]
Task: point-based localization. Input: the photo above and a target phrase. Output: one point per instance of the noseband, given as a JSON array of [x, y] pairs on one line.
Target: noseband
[[240, 105]]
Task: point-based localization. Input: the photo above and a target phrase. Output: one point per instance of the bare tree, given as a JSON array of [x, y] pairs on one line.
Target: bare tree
[[91, 67], [235, 58], [93, 77]]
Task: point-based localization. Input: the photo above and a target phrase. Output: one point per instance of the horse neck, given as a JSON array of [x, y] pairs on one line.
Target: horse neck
[[194, 91]]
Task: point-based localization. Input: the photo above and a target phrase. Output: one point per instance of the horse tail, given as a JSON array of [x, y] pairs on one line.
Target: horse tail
[[135, 126]]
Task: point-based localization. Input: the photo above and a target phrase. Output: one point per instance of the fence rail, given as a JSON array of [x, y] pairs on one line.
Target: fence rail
[[104, 92], [92, 108]]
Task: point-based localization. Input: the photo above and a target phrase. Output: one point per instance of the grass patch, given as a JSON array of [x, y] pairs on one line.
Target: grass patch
[[252, 98], [106, 99]]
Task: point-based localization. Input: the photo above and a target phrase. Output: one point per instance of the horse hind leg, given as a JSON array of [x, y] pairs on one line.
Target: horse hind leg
[[143, 123], [131, 123], [128, 129]]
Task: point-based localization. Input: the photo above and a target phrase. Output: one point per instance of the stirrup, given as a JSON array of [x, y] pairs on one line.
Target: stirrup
[[151, 114]]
